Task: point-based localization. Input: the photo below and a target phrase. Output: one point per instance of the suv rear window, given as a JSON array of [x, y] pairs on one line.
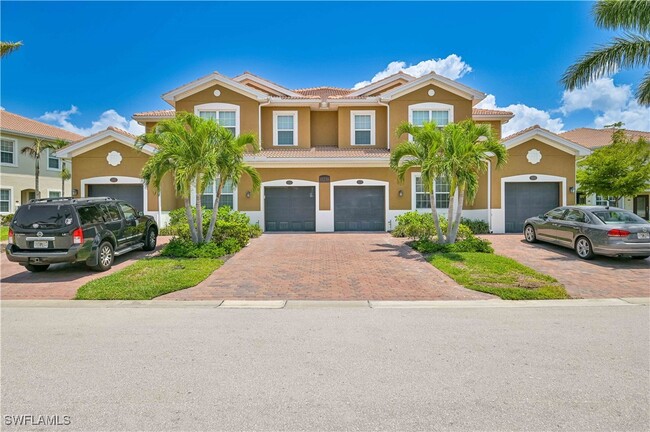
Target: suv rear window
[[90, 215], [44, 216]]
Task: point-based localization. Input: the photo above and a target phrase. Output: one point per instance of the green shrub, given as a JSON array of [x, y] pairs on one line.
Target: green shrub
[[230, 245], [6, 219], [472, 244], [183, 248], [478, 226], [420, 226]]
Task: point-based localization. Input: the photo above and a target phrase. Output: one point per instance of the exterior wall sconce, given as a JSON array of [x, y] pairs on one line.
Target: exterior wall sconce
[[572, 189], [248, 194], [75, 192], [400, 193]]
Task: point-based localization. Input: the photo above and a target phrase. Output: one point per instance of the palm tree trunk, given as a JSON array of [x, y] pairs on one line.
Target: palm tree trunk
[[190, 218], [459, 212], [450, 211], [199, 212], [436, 220], [215, 212], [37, 173]]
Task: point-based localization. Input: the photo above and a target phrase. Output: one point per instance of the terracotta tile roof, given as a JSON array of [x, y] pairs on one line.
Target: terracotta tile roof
[[120, 131], [156, 113], [323, 91], [490, 112], [19, 124], [594, 138], [523, 131], [262, 78], [322, 152]]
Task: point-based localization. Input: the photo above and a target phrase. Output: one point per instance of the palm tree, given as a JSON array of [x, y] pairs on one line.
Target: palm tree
[[629, 51], [34, 151], [424, 152], [65, 172], [466, 151], [230, 166], [8, 47], [192, 151]]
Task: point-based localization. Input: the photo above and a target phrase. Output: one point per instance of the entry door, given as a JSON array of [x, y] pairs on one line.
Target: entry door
[[290, 208], [641, 206]]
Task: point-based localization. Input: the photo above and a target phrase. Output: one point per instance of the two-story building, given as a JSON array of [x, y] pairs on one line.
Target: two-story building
[[17, 170], [324, 158]]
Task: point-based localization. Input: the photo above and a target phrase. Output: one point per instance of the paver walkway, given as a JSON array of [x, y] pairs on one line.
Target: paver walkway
[[60, 281], [327, 266], [601, 277]]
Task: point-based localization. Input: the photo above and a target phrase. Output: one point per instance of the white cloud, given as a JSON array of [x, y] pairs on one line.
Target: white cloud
[[107, 118], [610, 103], [525, 116], [452, 67]]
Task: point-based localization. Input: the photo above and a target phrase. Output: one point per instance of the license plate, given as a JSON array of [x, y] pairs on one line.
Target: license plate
[[644, 236], [41, 244]]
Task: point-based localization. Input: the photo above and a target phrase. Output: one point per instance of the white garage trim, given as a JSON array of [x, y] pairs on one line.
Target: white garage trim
[[366, 182], [121, 180], [283, 183]]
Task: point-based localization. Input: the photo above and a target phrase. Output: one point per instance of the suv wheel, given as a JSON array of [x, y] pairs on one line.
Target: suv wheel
[[150, 240], [583, 248], [105, 256], [36, 267]]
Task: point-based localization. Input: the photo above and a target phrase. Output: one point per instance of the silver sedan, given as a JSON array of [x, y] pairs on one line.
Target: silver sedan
[[590, 231]]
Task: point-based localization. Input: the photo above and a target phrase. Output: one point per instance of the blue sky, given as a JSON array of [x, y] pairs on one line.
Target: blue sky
[[109, 60]]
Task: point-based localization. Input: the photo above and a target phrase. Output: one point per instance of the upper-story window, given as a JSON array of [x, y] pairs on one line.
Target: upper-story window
[[440, 114], [53, 163], [363, 127], [8, 152], [441, 192], [227, 115], [285, 128]]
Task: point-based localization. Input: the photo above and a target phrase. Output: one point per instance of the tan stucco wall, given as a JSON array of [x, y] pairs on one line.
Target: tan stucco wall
[[312, 174], [554, 162], [399, 107], [345, 133], [93, 164], [496, 127], [304, 126], [324, 128]]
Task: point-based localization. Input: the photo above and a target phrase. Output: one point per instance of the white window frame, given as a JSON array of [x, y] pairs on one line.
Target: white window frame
[[49, 156], [607, 201], [214, 190], [49, 193], [432, 106], [276, 114], [15, 152], [216, 108], [11, 200], [414, 177], [370, 113]]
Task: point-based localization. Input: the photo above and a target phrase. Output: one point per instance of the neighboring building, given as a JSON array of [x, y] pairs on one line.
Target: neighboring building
[[325, 153], [17, 169], [596, 138]]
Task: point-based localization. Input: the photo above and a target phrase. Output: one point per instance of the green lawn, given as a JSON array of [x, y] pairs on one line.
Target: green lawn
[[4, 233], [149, 278], [498, 275]]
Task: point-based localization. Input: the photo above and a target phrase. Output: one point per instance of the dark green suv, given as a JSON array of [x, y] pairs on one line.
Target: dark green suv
[[89, 230]]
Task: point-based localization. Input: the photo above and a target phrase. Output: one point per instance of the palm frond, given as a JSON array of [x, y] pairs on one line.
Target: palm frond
[[627, 15], [643, 90], [9, 47]]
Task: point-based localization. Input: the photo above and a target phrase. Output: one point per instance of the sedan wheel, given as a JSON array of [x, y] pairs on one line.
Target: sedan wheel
[[529, 234], [583, 248]]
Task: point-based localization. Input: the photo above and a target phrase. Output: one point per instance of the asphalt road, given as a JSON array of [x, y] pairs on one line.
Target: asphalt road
[[192, 368]]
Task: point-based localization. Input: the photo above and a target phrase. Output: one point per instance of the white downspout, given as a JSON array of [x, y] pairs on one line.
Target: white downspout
[[160, 209], [387, 122], [489, 195]]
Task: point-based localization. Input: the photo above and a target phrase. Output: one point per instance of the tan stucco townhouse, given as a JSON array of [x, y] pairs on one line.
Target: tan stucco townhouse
[[325, 153]]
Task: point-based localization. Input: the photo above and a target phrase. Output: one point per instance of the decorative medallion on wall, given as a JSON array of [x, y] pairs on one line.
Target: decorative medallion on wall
[[114, 158], [534, 156], [431, 92]]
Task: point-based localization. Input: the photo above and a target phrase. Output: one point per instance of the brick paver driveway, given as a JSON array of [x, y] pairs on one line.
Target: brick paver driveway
[[346, 266], [601, 277], [60, 281]]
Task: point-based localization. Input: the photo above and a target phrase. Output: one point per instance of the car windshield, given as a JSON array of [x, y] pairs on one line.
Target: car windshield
[[618, 217], [44, 216]]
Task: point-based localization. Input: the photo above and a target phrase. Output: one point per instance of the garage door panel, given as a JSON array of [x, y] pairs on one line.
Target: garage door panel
[[131, 193], [291, 208], [359, 208], [524, 200]]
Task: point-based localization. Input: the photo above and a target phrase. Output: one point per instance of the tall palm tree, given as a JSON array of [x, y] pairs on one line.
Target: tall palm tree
[[629, 51], [191, 150], [425, 152], [65, 172], [467, 148], [230, 167], [34, 151], [8, 47]]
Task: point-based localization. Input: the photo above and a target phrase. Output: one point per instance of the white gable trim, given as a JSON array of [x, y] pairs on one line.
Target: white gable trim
[[437, 80], [266, 83], [548, 138], [381, 83], [98, 140], [202, 83]]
